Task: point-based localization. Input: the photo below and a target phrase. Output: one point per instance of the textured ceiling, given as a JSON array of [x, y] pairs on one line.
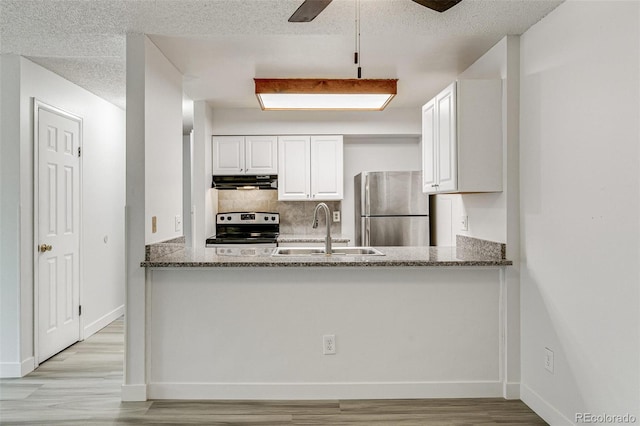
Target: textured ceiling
[[221, 45]]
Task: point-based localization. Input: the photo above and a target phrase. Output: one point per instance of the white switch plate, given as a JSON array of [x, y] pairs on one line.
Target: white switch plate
[[548, 360], [464, 223], [336, 216], [178, 223]]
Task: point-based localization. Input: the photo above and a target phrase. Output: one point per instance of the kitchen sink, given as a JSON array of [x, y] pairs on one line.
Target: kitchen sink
[[319, 251], [369, 251], [297, 251]]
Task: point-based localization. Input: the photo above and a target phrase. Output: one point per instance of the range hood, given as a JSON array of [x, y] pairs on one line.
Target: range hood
[[245, 182]]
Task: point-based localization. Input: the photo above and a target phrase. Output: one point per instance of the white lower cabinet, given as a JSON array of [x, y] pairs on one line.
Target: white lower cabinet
[[462, 138], [310, 168]]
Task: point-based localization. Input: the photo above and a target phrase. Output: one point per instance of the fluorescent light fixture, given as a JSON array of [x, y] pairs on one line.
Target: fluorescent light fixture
[[323, 94]]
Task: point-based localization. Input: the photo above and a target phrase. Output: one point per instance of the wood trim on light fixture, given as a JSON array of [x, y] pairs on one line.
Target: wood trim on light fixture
[[326, 86]]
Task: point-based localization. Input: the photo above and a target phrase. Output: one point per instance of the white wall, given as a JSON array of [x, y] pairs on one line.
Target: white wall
[[204, 198], [154, 183], [256, 333], [378, 153], [495, 216], [163, 145], [390, 122], [10, 353], [102, 288], [580, 194], [135, 341]]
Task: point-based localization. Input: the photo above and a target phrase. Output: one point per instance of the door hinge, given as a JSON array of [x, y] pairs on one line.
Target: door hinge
[[80, 310], [79, 151]]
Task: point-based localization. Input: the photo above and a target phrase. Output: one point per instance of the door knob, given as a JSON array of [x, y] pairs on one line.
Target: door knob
[[45, 247]]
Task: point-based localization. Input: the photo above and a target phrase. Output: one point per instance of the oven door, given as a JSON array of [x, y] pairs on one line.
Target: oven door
[[235, 246]]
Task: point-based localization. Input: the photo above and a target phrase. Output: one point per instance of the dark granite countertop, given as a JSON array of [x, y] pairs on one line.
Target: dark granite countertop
[[261, 257]]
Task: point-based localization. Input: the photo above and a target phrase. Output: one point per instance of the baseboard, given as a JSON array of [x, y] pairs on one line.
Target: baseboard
[[27, 366], [131, 393], [103, 321], [542, 408], [303, 391], [17, 369], [511, 391]]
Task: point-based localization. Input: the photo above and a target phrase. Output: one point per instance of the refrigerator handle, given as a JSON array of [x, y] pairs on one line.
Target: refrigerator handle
[[366, 197], [367, 232]]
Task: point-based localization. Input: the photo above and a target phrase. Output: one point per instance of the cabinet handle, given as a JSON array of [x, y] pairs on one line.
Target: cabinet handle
[[434, 186]]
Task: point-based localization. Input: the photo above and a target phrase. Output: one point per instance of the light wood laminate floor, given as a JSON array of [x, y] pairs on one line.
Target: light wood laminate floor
[[81, 386]]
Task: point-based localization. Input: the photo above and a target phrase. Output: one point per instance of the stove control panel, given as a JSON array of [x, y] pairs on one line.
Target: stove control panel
[[247, 218]]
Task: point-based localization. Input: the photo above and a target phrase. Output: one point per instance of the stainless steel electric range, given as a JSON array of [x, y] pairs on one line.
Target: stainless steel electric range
[[245, 233]]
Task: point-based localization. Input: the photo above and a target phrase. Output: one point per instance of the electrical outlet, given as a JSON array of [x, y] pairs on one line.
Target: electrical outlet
[[178, 223], [548, 360], [329, 344], [336, 216], [464, 223], [154, 224]]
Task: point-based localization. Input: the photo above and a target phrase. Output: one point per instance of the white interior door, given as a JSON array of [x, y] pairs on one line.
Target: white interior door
[[58, 230]]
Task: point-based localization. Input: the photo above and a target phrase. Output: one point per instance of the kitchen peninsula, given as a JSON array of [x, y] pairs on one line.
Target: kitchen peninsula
[[262, 257], [414, 323]]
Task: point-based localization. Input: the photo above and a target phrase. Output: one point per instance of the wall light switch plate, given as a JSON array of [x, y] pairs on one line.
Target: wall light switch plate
[[336, 216], [178, 223], [548, 360], [464, 223]]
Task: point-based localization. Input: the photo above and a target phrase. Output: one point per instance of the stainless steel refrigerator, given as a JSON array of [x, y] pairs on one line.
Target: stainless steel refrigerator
[[391, 209]]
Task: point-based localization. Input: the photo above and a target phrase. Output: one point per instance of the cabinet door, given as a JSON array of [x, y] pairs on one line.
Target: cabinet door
[[326, 168], [261, 155], [294, 175], [429, 163], [446, 147], [228, 155]]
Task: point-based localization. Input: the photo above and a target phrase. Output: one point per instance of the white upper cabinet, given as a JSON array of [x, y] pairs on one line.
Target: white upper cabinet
[[294, 172], [310, 168], [251, 155], [327, 181], [261, 155], [462, 138], [228, 155]]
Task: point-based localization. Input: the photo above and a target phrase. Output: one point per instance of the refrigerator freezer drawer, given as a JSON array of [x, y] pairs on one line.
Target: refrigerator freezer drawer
[[395, 231]]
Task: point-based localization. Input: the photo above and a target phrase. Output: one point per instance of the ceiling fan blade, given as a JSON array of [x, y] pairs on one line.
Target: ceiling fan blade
[[438, 5], [308, 10]]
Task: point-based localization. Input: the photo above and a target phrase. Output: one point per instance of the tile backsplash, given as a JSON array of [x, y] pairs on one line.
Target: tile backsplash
[[295, 216], [247, 201]]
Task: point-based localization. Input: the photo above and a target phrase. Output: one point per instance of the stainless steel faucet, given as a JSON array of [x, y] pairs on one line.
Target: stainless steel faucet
[[327, 215]]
